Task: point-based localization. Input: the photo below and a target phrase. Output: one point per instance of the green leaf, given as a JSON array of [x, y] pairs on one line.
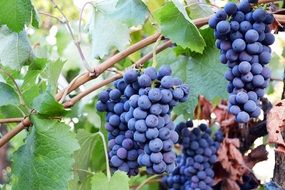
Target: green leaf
[[8, 95], [199, 9], [45, 160], [119, 181], [203, 73], [106, 32], [53, 72], [15, 49], [45, 104], [179, 28], [35, 69], [131, 12], [15, 13], [208, 36], [35, 18], [90, 147]]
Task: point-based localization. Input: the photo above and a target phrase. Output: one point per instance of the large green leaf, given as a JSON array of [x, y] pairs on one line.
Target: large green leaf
[[8, 95], [119, 181], [131, 12], [53, 72], [45, 160], [45, 104], [203, 73], [16, 13], [179, 28], [106, 32], [91, 147], [15, 48]]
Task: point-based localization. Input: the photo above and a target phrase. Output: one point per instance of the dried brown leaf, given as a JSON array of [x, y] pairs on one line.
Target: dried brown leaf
[[204, 109], [258, 154], [275, 125]]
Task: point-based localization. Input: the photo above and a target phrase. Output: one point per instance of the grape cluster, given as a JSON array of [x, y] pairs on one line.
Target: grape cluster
[[194, 170], [243, 37], [141, 132]]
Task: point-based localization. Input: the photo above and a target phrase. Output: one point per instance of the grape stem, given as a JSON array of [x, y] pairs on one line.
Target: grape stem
[[76, 42], [106, 155], [146, 181]]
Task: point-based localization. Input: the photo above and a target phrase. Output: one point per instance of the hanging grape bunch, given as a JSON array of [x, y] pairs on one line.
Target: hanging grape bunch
[[194, 170], [140, 130], [243, 37]]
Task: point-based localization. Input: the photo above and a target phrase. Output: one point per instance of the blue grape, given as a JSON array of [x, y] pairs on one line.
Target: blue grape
[[259, 15], [144, 80], [244, 67], [238, 45], [130, 76], [251, 36], [242, 117], [230, 8], [223, 27], [144, 103]]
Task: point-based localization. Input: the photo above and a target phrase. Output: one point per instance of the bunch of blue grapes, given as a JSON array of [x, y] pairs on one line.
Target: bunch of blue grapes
[[243, 36], [140, 129], [194, 170]]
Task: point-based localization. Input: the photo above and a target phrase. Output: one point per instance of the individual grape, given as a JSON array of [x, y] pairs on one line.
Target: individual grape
[[101, 106], [242, 117], [139, 137], [139, 113], [156, 158], [103, 96], [144, 80], [244, 56], [237, 82], [154, 95], [178, 93], [258, 80], [247, 77], [241, 97], [167, 82], [166, 96], [230, 8], [231, 55], [152, 133], [244, 6], [116, 161], [225, 45], [155, 145], [238, 45], [140, 126], [164, 71], [151, 120], [239, 16], [244, 67], [266, 72], [130, 76], [213, 22], [251, 36], [119, 108], [122, 153], [256, 68], [259, 27], [264, 57], [155, 109], [259, 15], [250, 106], [234, 25], [235, 109], [223, 27], [268, 39], [144, 103], [159, 168], [245, 26], [151, 72]]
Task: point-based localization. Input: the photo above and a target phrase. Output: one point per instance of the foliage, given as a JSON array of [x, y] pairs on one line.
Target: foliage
[[44, 78]]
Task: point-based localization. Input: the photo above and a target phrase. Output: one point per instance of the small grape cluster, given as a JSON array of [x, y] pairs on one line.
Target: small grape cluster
[[194, 170], [138, 119], [243, 37]]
